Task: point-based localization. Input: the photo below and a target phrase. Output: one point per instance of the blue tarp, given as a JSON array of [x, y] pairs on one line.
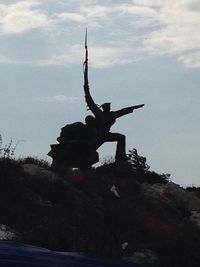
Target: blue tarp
[[13, 254]]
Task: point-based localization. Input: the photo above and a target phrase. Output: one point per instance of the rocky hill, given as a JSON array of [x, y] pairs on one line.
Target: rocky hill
[[118, 211]]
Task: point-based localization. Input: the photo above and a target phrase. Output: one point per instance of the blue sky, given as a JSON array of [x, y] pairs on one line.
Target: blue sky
[[141, 51]]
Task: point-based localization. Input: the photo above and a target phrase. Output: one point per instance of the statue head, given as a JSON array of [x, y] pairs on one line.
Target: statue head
[[89, 120], [106, 107]]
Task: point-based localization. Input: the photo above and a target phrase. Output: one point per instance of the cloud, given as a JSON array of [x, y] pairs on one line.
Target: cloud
[[107, 56], [131, 29], [169, 28], [191, 60], [86, 13], [140, 15], [60, 99], [99, 56], [96, 11], [71, 16], [5, 60], [21, 17], [72, 55], [177, 33], [92, 15]]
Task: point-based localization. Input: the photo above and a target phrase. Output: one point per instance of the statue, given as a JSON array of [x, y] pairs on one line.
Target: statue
[[104, 118], [78, 142], [74, 148]]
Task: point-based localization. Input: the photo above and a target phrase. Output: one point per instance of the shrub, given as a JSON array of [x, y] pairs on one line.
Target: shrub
[[8, 151], [34, 160], [137, 162]]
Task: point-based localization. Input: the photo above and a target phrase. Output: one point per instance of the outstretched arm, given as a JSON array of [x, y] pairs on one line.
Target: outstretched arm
[[124, 111], [88, 98]]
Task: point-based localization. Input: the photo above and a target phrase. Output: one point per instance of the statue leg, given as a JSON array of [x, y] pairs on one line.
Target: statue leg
[[121, 145]]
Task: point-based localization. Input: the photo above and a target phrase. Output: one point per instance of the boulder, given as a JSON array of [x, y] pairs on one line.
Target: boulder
[[145, 256], [35, 170]]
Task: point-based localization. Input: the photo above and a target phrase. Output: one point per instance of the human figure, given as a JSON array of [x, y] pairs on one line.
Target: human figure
[[78, 142], [103, 119]]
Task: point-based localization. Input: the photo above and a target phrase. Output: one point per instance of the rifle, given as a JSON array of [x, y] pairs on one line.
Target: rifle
[[88, 98], [85, 67]]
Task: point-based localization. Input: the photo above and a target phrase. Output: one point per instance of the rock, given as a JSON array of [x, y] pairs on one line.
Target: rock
[[173, 193], [35, 170], [195, 217], [124, 245], [113, 189], [146, 256], [75, 154], [6, 233]]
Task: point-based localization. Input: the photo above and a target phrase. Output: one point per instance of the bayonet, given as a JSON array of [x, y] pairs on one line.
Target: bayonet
[[85, 67], [88, 98]]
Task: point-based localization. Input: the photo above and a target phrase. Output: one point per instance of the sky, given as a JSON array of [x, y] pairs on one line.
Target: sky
[[140, 51]]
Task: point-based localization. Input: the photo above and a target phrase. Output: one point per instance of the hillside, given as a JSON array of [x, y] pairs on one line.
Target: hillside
[[118, 211]]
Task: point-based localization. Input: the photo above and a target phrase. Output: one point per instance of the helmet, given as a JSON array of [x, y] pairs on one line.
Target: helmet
[[105, 105]]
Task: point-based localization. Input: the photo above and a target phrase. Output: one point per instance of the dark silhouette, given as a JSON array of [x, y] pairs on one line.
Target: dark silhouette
[[78, 142], [104, 118], [74, 148]]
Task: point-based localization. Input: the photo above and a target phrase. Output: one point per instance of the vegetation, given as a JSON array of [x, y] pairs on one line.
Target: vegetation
[[37, 161], [78, 211], [8, 150]]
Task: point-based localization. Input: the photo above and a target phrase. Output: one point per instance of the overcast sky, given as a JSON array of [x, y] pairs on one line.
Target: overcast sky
[[140, 51]]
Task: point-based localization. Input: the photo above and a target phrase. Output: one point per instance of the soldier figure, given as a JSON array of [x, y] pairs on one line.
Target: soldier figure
[[78, 142], [103, 121], [104, 118]]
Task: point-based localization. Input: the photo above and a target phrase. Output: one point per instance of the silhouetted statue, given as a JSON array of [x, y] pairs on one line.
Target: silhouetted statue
[[78, 142], [104, 118], [74, 148]]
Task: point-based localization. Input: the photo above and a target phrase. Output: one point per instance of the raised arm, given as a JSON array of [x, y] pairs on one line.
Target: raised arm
[[124, 111], [88, 98]]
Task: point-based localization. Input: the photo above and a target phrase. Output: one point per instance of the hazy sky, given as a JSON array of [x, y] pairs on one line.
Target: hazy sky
[[140, 51]]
